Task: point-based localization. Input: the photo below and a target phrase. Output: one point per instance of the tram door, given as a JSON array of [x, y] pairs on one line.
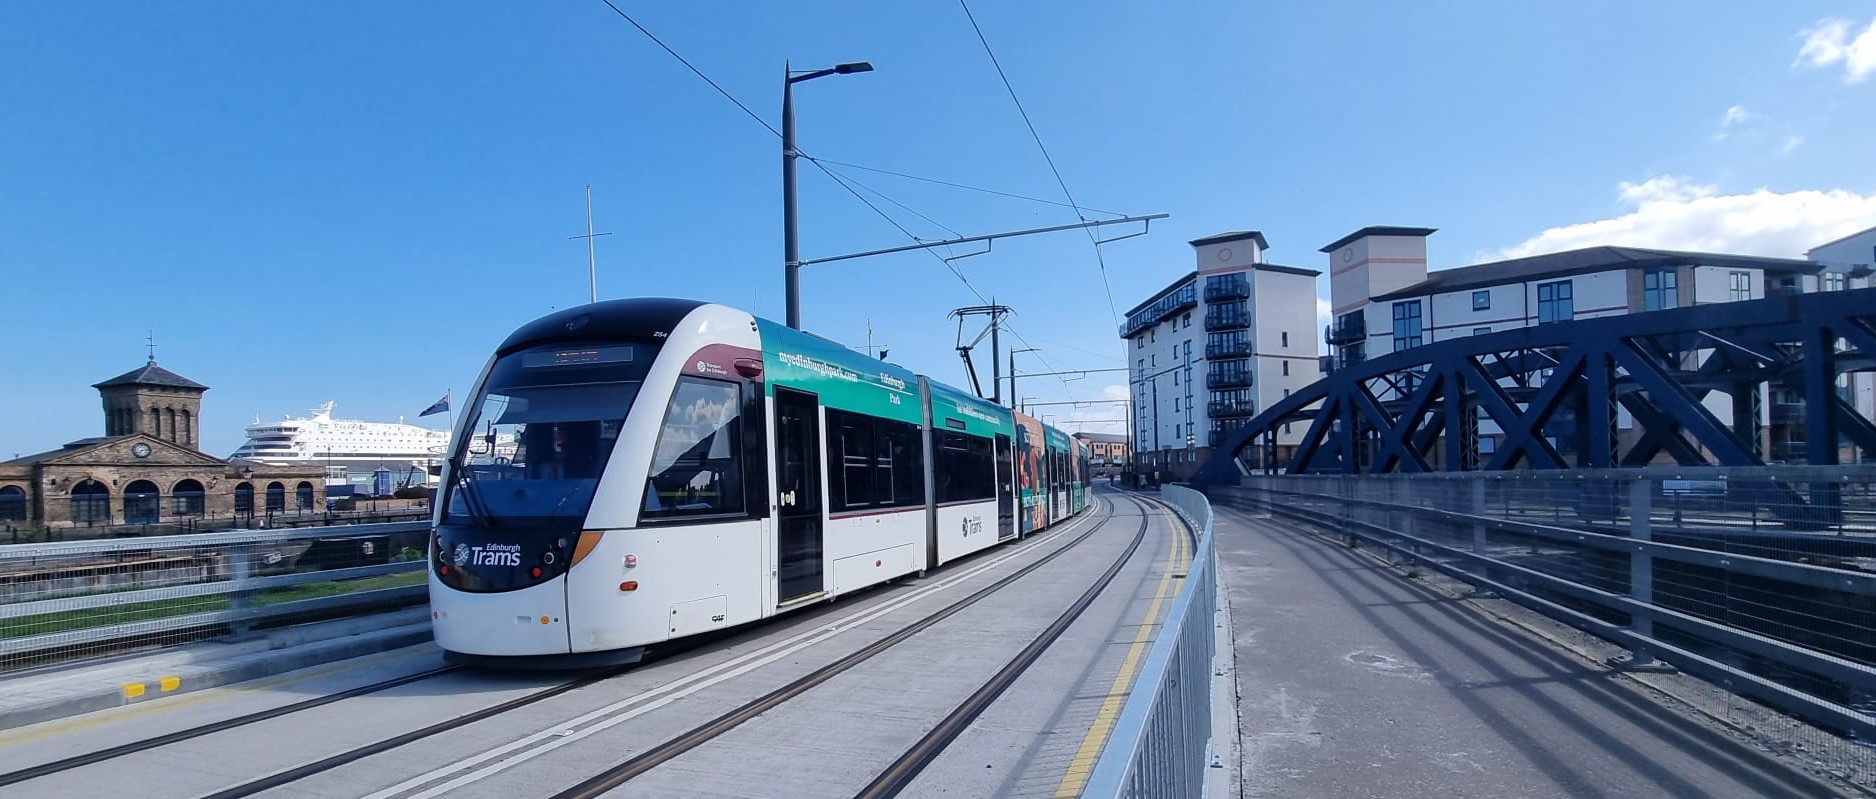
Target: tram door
[[1006, 490], [798, 494]]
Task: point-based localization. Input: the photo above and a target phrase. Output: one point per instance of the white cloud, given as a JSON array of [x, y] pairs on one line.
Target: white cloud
[[1735, 116], [1325, 313], [1674, 213], [1791, 143], [1097, 417], [1828, 43]]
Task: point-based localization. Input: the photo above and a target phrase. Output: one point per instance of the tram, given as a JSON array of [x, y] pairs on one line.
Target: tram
[[672, 467]]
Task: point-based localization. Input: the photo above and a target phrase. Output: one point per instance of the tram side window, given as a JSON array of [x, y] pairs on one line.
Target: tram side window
[[696, 468], [965, 468], [879, 462]]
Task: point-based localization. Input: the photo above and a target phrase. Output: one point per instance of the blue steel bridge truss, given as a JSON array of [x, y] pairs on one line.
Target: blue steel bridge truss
[[1557, 393]]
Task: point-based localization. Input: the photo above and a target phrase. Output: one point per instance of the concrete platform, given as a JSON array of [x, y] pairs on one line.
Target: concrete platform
[[54, 692]]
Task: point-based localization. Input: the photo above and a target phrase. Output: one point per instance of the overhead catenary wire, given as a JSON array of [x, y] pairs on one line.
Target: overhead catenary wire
[[1100, 259], [844, 182]]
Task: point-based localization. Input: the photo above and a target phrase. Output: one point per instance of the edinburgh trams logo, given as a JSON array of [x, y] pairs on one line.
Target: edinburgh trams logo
[[488, 555], [973, 525]]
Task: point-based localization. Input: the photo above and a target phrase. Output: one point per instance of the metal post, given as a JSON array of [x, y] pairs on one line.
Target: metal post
[[1641, 576], [996, 357], [791, 245]]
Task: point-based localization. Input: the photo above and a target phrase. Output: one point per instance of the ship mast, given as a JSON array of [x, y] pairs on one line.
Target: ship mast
[[592, 269]]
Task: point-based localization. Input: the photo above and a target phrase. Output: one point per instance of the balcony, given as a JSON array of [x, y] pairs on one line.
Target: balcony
[[1240, 349], [1235, 379], [1347, 330], [1787, 413], [1223, 409], [1226, 321], [1229, 291]]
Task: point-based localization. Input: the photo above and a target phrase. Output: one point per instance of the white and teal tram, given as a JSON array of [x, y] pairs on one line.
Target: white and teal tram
[[680, 467]]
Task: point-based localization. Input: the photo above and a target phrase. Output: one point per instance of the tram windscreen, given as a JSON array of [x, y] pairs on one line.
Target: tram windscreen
[[540, 433]]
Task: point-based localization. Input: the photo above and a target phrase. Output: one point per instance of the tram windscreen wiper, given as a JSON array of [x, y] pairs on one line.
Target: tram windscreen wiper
[[472, 501]]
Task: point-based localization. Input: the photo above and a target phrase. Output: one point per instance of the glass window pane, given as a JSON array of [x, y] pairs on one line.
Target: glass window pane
[[696, 467]]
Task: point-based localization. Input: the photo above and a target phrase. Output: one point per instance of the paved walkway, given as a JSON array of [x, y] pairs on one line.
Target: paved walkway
[[1356, 682]]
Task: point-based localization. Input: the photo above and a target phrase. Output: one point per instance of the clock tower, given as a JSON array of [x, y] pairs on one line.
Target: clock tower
[[156, 402]]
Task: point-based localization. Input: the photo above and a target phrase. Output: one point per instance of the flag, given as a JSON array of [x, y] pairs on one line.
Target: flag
[[439, 407]]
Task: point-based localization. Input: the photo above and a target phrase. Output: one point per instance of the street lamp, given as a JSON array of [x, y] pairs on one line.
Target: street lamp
[[791, 249]]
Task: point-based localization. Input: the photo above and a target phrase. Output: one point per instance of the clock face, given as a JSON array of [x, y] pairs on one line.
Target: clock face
[[140, 450], [1224, 254], [1348, 254]]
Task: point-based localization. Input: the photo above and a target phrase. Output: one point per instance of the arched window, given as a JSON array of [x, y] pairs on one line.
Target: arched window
[[156, 422], [303, 496], [142, 505], [188, 429], [244, 499], [12, 504], [169, 417], [186, 499], [276, 497], [91, 503]]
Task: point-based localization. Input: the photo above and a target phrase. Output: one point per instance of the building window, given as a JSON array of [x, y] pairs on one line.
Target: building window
[[12, 504], [1741, 288], [1660, 289], [91, 502], [1286, 368], [1186, 321], [1175, 404], [1175, 376], [1833, 281], [1555, 302], [276, 498], [142, 505], [303, 497], [1480, 331], [1406, 325], [1286, 339], [186, 498], [1481, 300]]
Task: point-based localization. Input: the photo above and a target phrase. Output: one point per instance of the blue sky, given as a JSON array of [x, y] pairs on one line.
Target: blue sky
[[356, 201]]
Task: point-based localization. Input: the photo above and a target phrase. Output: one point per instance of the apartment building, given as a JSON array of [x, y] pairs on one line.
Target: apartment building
[[1213, 348]]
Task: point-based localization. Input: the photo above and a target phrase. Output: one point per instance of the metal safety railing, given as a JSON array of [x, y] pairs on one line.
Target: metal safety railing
[[69, 599], [1162, 740], [1759, 581]]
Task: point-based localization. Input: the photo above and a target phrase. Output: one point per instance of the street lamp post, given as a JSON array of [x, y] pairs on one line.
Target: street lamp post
[[791, 246]]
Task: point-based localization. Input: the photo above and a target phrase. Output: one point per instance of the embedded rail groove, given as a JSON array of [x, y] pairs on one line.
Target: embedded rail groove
[[88, 758], [910, 764], [652, 758], [303, 771]]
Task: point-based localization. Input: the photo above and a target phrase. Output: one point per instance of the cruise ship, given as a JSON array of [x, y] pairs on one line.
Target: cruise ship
[[346, 447]]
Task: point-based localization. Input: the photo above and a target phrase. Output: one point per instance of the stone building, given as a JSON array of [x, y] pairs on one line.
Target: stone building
[[148, 468]]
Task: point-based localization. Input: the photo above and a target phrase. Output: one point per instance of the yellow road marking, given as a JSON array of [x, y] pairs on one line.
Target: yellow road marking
[[132, 690], [170, 683], [1082, 765]]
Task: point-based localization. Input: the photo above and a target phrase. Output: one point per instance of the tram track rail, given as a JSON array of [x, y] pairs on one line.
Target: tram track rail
[[908, 765], [300, 772], [166, 739]]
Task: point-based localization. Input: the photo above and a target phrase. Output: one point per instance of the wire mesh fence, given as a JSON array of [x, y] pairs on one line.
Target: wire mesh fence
[[72, 599], [1760, 581]]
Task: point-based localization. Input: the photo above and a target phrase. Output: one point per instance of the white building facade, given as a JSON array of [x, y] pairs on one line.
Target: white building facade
[[1849, 263], [1384, 300], [1213, 349]]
